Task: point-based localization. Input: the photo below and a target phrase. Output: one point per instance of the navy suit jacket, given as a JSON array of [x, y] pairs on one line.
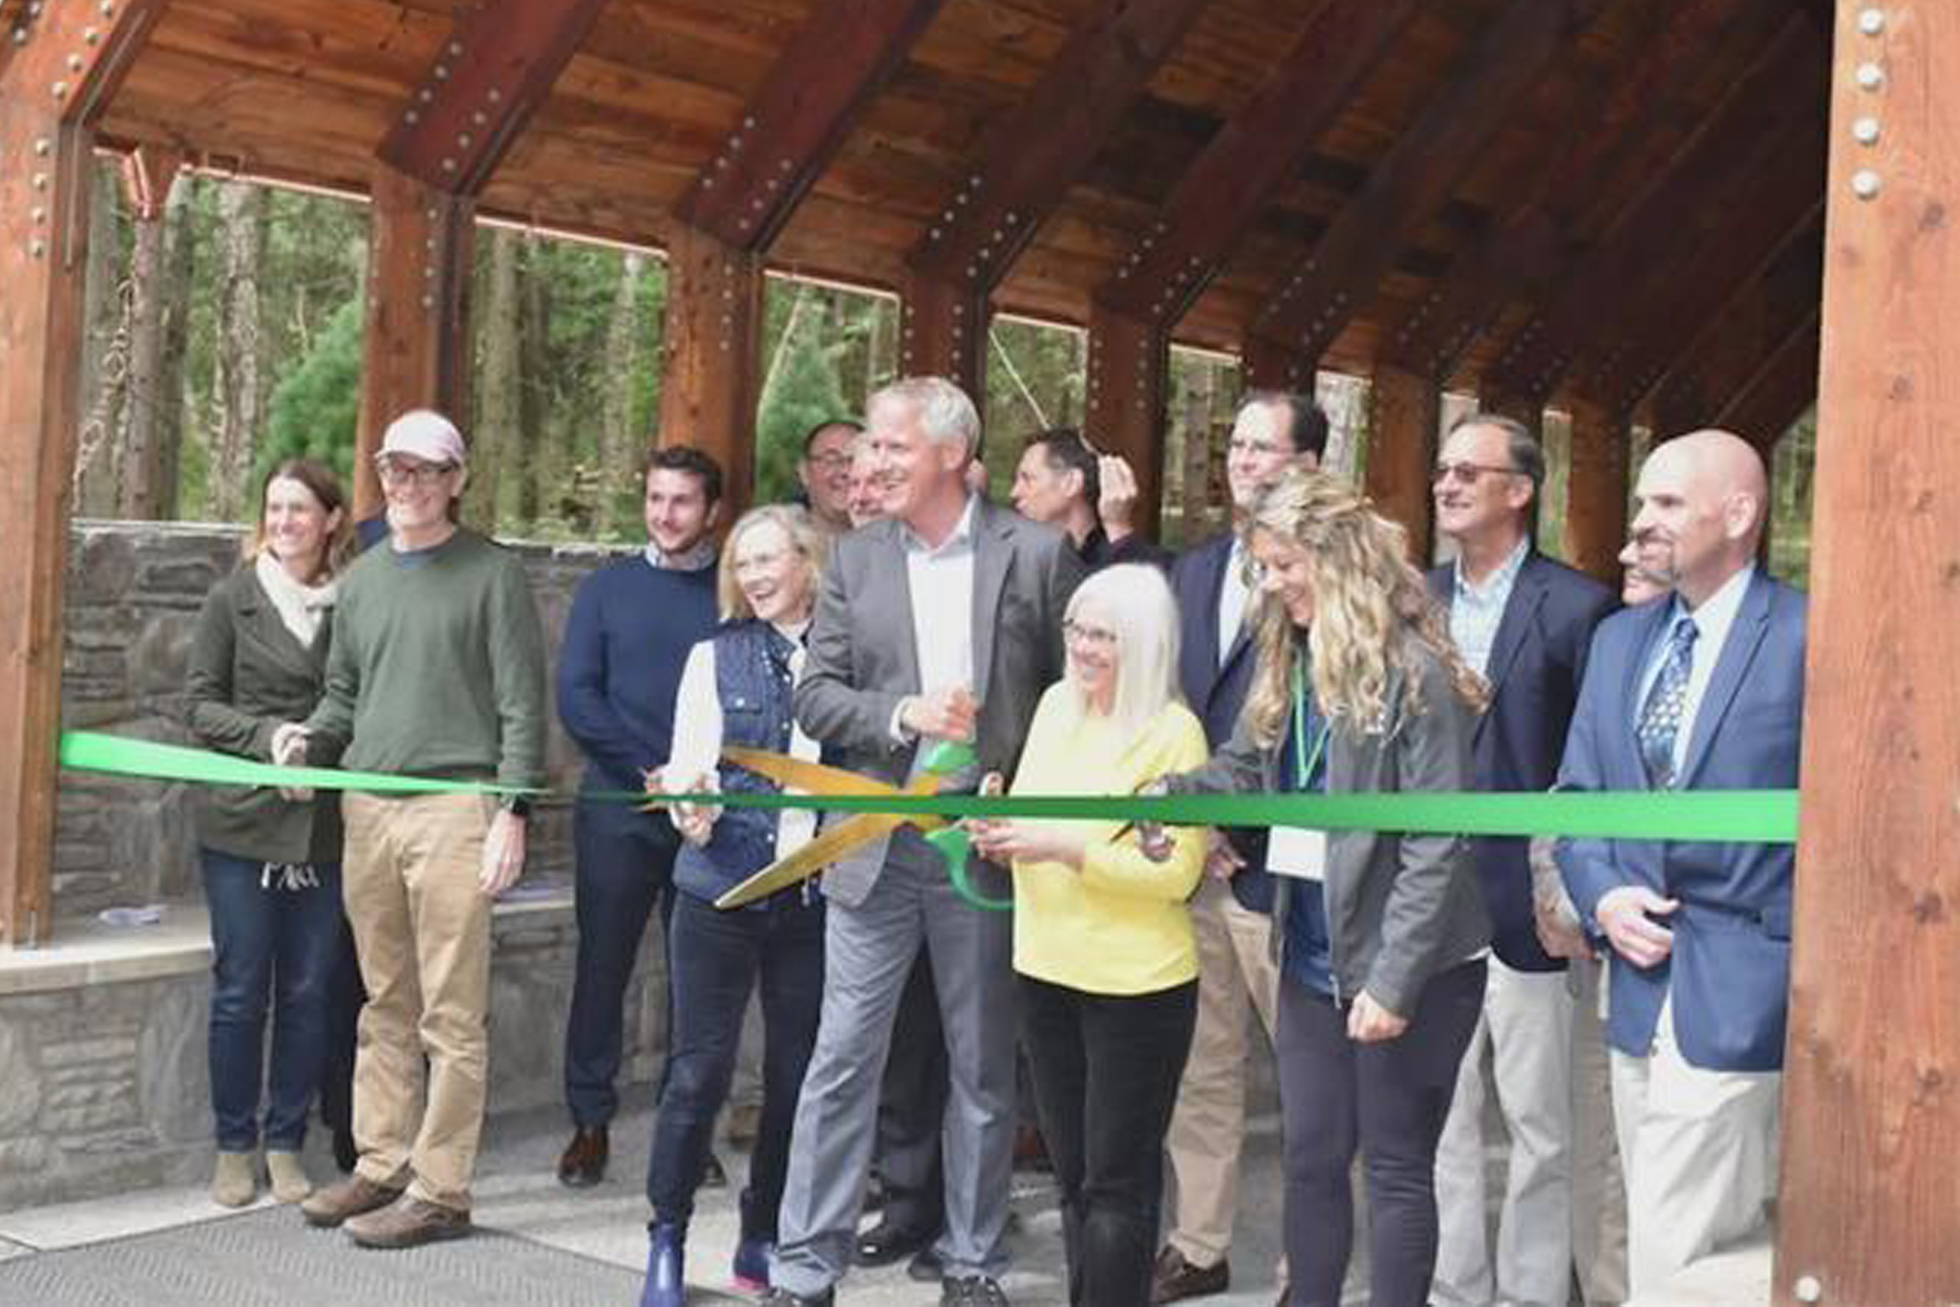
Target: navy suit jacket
[[1216, 690], [1536, 663], [1729, 970]]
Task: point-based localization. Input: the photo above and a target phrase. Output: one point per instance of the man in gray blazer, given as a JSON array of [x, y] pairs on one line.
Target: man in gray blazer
[[941, 622]]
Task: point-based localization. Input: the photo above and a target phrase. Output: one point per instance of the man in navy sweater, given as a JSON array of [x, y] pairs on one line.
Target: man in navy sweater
[[626, 641]]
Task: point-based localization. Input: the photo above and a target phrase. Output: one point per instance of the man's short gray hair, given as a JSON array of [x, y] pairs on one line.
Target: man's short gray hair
[[945, 412]]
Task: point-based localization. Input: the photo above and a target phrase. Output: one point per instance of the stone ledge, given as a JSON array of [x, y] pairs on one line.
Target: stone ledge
[[86, 952]]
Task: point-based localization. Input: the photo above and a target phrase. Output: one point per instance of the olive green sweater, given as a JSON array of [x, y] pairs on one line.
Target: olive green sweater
[[437, 666]]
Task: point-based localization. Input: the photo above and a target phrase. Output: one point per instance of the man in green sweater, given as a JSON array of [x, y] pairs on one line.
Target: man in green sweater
[[437, 669]]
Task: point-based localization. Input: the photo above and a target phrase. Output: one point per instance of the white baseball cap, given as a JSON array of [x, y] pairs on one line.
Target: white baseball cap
[[425, 434]]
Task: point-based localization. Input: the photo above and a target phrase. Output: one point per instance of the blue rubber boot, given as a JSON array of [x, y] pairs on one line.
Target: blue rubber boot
[[666, 1277], [752, 1252]]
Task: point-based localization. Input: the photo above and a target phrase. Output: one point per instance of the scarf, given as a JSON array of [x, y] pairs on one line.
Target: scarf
[[301, 607]]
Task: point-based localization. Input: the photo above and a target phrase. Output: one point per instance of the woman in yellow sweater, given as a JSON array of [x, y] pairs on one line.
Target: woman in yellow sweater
[[1102, 934]]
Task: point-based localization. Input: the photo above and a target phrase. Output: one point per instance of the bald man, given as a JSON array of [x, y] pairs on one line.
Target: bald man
[[1701, 691]]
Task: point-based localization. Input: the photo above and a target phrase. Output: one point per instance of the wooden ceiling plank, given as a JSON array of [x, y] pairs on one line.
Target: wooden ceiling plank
[[817, 89], [1779, 88], [1600, 140], [1050, 138], [1410, 184], [1252, 158], [490, 77]]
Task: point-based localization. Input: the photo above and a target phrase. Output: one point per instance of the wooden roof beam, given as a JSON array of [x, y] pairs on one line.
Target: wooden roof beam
[[1778, 91], [1718, 361], [1412, 181], [1251, 157], [1040, 148], [815, 92], [1770, 205], [494, 71], [1602, 129], [1770, 400]]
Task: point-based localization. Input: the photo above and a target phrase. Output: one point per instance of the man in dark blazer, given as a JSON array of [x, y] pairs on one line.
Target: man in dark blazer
[[941, 622], [1703, 692], [1273, 431], [1524, 622]]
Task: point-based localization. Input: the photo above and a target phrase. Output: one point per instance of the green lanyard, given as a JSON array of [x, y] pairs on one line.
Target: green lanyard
[[1306, 768]]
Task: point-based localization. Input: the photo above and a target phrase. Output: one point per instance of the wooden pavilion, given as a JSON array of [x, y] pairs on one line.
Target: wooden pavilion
[[1662, 211]]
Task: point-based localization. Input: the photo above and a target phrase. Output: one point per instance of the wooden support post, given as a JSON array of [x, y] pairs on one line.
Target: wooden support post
[[1129, 383], [67, 61], [708, 390], [944, 332], [416, 347], [1596, 492], [1404, 410], [1871, 1129]]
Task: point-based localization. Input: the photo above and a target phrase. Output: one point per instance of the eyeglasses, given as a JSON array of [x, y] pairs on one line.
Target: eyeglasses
[[1467, 473], [1257, 448], [1093, 637], [393, 472], [832, 461]]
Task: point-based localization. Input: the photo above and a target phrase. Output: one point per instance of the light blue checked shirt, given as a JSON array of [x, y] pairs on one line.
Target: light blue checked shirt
[[1476, 610]]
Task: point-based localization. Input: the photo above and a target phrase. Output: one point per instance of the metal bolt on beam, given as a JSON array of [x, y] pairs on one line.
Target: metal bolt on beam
[[1871, 21], [411, 117], [40, 181], [1865, 184], [91, 35], [1865, 131], [440, 72], [38, 248], [74, 63], [1808, 1288], [456, 49], [1870, 76]]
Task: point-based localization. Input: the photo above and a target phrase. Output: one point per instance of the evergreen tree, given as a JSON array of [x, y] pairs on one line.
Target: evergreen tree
[[802, 390], [316, 408]]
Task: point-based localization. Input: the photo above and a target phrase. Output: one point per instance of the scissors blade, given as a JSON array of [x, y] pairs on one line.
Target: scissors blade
[[802, 774]]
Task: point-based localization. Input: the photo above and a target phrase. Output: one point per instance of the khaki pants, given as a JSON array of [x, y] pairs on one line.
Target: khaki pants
[[1235, 969], [1699, 1148], [422, 930], [1599, 1194]]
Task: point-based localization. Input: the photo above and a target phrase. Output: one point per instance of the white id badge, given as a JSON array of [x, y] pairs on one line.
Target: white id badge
[[1293, 851]]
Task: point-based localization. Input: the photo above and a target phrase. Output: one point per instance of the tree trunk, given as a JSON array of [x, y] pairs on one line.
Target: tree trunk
[[148, 477], [625, 340], [102, 370], [174, 333], [533, 476], [241, 387], [498, 379]]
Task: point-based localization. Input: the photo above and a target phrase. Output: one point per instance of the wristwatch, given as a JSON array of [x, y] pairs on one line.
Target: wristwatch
[[517, 805]]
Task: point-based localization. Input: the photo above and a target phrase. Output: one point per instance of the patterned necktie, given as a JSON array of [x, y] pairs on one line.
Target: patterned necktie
[[1660, 719]]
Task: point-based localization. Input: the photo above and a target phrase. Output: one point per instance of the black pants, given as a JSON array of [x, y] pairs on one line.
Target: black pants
[[717, 957], [1106, 1069], [1390, 1098], [912, 1109], [625, 867]]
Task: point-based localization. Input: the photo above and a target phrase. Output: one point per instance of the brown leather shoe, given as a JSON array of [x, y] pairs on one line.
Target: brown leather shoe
[[1175, 1279], [351, 1197], [408, 1223], [583, 1163]]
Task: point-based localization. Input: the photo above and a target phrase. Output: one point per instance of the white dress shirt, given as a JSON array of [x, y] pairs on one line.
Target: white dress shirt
[[940, 581], [1234, 597]]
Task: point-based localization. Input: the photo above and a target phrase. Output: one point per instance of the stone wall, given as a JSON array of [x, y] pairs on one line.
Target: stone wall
[[134, 590]]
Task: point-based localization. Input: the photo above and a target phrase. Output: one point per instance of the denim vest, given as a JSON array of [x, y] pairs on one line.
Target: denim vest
[[752, 678]]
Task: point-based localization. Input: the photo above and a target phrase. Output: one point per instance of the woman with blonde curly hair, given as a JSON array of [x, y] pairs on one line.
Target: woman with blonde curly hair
[[1381, 934]]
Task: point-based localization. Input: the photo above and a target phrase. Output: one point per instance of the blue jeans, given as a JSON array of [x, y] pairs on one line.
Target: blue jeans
[[274, 947], [715, 957], [625, 869]]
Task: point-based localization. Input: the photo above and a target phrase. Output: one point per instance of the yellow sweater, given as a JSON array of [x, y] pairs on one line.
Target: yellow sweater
[[1122, 925]]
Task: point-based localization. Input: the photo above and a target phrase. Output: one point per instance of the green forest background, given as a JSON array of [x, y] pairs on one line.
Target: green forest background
[[224, 334]]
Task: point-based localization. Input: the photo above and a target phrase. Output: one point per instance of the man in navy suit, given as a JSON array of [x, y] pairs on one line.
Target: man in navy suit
[[1525, 622], [1703, 691], [1274, 430]]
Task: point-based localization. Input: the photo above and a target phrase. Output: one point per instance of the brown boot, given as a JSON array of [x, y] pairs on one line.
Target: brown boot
[[583, 1163], [408, 1223], [1175, 1279], [351, 1197]]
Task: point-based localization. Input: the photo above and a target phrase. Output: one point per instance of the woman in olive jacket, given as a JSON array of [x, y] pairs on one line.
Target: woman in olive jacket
[[1381, 935], [270, 857]]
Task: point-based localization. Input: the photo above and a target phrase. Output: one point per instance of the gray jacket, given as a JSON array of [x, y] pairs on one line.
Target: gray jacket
[[863, 657], [1400, 908]]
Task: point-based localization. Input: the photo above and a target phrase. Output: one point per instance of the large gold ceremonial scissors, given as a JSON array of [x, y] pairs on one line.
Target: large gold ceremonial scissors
[[854, 832]]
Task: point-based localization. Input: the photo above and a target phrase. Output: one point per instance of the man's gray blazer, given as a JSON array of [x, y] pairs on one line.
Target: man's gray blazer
[[863, 657]]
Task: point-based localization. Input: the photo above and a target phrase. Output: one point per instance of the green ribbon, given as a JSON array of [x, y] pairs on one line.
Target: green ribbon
[[1728, 816]]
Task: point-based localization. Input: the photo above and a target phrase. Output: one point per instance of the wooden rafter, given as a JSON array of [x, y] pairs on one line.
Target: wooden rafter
[[1039, 149], [790, 129], [1252, 156], [1771, 98], [1604, 128], [1782, 385], [493, 72], [64, 69], [1412, 181], [1716, 362]]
